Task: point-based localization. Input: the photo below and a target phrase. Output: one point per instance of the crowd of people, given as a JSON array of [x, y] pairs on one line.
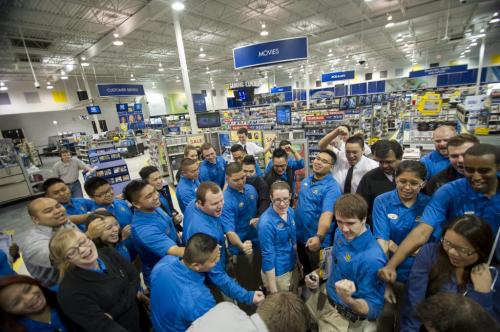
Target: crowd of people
[[366, 242]]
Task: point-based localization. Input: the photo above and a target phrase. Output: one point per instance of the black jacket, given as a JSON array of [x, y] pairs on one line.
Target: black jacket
[[372, 184], [263, 190], [440, 179], [271, 177], [86, 296]]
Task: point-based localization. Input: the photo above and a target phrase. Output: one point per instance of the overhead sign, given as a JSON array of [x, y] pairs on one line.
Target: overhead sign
[[276, 51], [242, 84], [199, 103], [120, 90], [338, 76], [439, 71], [278, 89]]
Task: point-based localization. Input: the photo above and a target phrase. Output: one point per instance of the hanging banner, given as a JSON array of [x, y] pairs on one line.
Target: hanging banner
[[278, 89], [439, 71], [120, 90], [338, 76], [276, 51], [199, 103]]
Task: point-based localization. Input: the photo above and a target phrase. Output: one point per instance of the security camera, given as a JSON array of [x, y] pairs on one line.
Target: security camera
[[462, 1], [37, 85]]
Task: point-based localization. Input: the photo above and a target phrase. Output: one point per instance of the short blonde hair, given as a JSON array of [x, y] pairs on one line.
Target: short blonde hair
[[58, 245]]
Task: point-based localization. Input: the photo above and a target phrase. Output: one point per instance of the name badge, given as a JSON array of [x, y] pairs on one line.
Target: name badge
[[281, 225], [470, 213], [392, 216], [241, 205]]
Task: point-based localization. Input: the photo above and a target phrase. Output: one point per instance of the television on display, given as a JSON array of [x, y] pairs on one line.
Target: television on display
[[137, 107], [208, 120], [344, 103], [244, 95], [364, 100], [93, 109], [122, 107], [284, 115], [351, 102]]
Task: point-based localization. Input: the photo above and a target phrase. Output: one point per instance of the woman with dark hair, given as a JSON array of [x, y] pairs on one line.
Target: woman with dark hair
[[27, 306], [395, 214], [458, 264], [104, 230]]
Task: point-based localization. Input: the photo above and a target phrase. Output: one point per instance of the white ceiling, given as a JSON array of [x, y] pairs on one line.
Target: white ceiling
[[59, 32]]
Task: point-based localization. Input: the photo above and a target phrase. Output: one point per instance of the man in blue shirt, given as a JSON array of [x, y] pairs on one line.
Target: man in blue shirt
[[238, 153], [178, 291], [437, 160], [249, 168], [281, 171], [295, 160], [240, 207], [478, 194], [153, 232], [204, 216], [188, 183], [355, 294], [213, 167], [77, 209], [314, 211]]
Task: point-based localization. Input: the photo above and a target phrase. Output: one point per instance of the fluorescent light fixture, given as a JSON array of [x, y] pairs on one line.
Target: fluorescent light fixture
[[462, 55], [494, 20], [3, 87], [389, 17], [49, 87], [466, 51], [85, 64], [481, 31], [117, 42], [202, 55], [131, 75], [177, 80], [264, 33], [330, 54], [64, 77], [116, 35], [263, 25], [178, 5], [390, 24], [473, 44], [45, 60], [83, 58], [280, 66], [161, 69]]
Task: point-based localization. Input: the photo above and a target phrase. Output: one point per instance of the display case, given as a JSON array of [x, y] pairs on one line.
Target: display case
[[13, 183]]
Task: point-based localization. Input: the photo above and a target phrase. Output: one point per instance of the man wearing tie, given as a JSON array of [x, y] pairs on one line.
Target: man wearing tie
[[250, 147]]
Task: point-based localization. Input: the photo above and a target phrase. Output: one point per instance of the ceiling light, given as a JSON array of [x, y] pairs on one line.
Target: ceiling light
[[280, 66], [264, 33], [202, 55], [131, 75], [3, 87], [389, 17], [330, 54], [178, 5], [154, 85], [473, 44], [116, 35], [466, 51], [399, 40], [132, 79], [263, 25], [69, 67], [161, 69], [208, 68], [49, 87], [390, 24], [481, 31], [85, 64], [83, 58], [201, 49], [177, 80], [494, 20], [45, 60], [117, 42], [64, 77], [462, 55]]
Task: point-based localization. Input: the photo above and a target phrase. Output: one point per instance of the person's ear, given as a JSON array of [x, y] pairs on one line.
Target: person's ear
[[35, 220], [195, 267]]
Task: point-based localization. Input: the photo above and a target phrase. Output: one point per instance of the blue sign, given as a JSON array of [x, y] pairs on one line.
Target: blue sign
[[334, 117], [137, 107], [122, 107], [341, 75], [93, 109], [281, 89], [277, 51], [119, 90], [199, 103], [439, 71]]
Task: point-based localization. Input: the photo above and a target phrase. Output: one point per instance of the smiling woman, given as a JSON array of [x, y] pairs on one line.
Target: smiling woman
[[99, 289]]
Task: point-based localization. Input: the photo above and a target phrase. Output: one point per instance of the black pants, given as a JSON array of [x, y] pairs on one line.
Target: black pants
[[308, 259], [246, 270]]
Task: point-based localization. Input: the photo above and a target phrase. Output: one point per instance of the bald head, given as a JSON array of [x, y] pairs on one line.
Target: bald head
[[47, 211], [440, 136]]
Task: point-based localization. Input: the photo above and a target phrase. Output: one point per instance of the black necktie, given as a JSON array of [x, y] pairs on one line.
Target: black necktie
[[245, 148], [348, 179]]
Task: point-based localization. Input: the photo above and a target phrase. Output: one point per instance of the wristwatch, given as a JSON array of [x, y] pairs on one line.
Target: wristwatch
[[320, 237]]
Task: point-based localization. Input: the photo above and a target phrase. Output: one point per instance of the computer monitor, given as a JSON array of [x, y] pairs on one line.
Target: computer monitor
[[93, 109], [208, 120], [284, 115]]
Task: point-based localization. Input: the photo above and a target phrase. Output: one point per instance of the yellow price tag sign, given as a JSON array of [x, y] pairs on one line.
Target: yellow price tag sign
[[429, 104]]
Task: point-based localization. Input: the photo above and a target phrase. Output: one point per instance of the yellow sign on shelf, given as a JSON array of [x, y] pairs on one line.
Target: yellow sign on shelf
[[430, 103], [482, 131], [59, 96]]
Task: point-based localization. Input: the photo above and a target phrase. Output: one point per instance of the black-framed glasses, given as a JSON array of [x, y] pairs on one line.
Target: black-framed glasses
[[447, 245]]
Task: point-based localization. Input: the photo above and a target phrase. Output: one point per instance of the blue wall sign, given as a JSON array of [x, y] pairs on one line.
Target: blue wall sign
[[281, 89], [112, 90], [439, 71], [122, 107], [276, 51], [342, 75], [199, 103]]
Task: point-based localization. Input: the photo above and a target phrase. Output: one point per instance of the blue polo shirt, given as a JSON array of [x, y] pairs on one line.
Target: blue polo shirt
[[392, 220], [120, 209], [153, 234], [178, 295], [314, 199], [435, 162], [457, 198], [213, 172], [295, 165], [77, 206], [55, 324], [358, 261], [278, 241], [186, 191], [5, 268], [200, 222], [121, 248], [239, 208]]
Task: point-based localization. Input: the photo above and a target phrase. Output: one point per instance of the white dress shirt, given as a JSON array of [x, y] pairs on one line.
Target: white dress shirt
[[252, 148], [342, 166]]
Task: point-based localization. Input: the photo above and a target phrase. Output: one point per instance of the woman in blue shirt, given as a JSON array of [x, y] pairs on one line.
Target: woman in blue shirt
[[277, 237], [104, 230], [456, 265], [25, 305], [395, 214]]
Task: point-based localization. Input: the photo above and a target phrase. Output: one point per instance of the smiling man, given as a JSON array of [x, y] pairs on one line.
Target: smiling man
[[478, 193], [213, 167], [438, 160], [48, 215]]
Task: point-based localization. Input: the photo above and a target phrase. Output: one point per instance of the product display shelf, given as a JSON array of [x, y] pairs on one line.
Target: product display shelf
[[116, 172], [13, 182], [157, 151], [174, 151], [494, 119]]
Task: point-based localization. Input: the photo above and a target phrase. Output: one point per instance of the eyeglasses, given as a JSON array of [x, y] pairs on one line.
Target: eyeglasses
[[323, 161], [74, 251], [281, 200], [411, 184], [106, 193], [447, 245]]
